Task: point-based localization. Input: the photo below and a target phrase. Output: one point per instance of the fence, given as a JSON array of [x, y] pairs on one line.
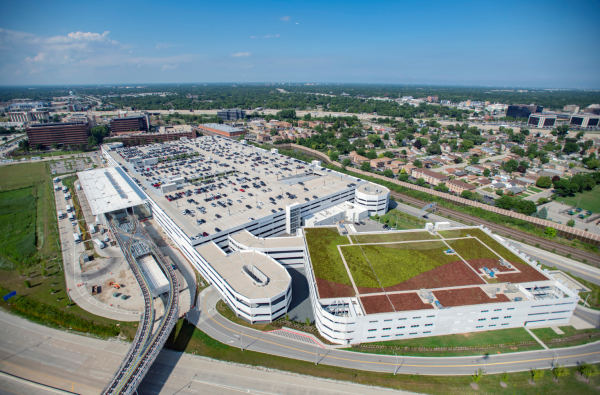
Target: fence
[[562, 230]]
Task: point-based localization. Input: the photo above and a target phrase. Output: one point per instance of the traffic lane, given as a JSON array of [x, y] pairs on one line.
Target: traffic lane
[[589, 316], [225, 331], [591, 273]]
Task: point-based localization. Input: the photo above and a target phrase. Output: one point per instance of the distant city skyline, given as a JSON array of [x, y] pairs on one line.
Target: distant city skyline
[[515, 44]]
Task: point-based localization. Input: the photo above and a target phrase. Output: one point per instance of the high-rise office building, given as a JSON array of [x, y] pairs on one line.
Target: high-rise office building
[[522, 110], [231, 114], [137, 123], [66, 133]]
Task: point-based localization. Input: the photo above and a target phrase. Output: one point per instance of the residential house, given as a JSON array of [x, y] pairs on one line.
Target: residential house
[[429, 176], [458, 186]]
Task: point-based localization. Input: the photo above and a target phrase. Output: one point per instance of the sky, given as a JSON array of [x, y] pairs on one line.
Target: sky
[[551, 44]]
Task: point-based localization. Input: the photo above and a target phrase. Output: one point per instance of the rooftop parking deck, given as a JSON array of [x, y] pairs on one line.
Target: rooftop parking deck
[[225, 183]]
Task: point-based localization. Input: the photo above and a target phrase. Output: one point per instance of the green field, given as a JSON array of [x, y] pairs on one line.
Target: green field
[[401, 221], [393, 263], [29, 251], [391, 237], [324, 255], [588, 200], [486, 239], [471, 249], [17, 228]]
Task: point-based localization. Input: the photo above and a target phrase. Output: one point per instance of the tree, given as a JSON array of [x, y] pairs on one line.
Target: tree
[[418, 144], [441, 187], [389, 154], [421, 182], [505, 202], [388, 173], [92, 141], [521, 169], [571, 222], [559, 371], [499, 192], [526, 207], [386, 136], [434, 149], [39, 146], [54, 145], [486, 173], [588, 370], [550, 231], [365, 166], [467, 194], [580, 134], [544, 182], [346, 162], [24, 145], [458, 160], [273, 132], [542, 213], [565, 187], [467, 144], [474, 160], [593, 164], [27, 284], [371, 154], [418, 163], [403, 177], [334, 156], [570, 148], [511, 165], [537, 374]]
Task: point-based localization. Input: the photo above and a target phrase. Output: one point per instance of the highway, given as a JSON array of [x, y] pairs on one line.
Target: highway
[[82, 365]]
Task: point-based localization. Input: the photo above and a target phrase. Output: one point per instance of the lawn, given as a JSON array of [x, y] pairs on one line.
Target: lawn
[[484, 238], [186, 337], [471, 249], [536, 190], [393, 263], [391, 237], [588, 200], [473, 339], [331, 274], [30, 243], [546, 334]]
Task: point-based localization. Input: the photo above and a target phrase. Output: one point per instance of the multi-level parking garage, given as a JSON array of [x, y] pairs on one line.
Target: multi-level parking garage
[[217, 188]]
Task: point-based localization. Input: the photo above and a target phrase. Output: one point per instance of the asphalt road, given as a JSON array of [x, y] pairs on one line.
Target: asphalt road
[[205, 317], [84, 365]]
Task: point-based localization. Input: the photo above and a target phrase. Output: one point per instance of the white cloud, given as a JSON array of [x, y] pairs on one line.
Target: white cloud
[[285, 18], [76, 52], [241, 54]]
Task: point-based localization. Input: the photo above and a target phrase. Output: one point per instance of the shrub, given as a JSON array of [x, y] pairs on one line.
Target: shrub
[[504, 377], [27, 284], [588, 370], [550, 231], [478, 376], [537, 374], [559, 371]]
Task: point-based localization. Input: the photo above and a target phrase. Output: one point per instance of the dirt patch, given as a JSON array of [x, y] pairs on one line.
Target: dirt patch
[[466, 296], [376, 304], [408, 301], [329, 289], [453, 274]]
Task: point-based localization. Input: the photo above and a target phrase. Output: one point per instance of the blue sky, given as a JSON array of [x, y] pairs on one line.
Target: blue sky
[[521, 43]]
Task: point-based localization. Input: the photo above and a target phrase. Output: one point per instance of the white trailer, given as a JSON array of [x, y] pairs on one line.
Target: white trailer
[[77, 238], [69, 208], [92, 229], [60, 215], [71, 217], [100, 244], [65, 189]]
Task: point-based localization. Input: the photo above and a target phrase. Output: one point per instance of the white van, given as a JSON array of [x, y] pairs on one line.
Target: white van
[[77, 238], [92, 229]]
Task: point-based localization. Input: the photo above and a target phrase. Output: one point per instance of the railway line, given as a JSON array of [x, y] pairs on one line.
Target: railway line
[[147, 343], [514, 234]]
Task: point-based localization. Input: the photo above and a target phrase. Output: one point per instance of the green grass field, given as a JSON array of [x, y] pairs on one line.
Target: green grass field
[[326, 260], [471, 249], [588, 200], [391, 237], [487, 240], [393, 263], [29, 242]]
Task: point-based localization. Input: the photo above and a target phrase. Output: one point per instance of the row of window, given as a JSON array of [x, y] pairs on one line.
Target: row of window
[[399, 319], [399, 327], [496, 318]]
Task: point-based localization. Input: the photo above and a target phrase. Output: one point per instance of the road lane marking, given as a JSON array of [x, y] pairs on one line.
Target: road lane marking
[[389, 363]]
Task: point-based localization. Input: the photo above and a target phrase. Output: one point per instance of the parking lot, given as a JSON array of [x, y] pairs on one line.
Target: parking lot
[[222, 183]]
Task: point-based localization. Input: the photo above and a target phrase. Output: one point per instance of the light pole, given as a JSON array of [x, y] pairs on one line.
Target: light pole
[[396, 367], [316, 354]]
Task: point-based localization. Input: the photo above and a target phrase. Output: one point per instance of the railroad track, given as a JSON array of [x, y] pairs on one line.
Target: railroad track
[[514, 234], [146, 345]]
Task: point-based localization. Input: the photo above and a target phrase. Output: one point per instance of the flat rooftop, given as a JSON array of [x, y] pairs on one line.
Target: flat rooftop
[[107, 190], [414, 270], [231, 268], [208, 158], [248, 239]]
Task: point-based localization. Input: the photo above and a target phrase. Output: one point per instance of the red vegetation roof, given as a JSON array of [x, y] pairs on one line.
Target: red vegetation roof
[[466, 297]]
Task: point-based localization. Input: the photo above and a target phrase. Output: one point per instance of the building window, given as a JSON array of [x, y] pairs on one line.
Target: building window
[[372, 322], [371, 337], [480, 326], [431, 316], [493, 325], [428, 324], [427, 332], [414, 333], [510, 308], [401, 319], [481, 319], [387, 320], [400, 327], [484, 311], [416, 318], [414, 326], [387, 329], [399, 334], [505, 323], [495, 318], [498, 310], [507, 317], [386, 336], [372, 330]]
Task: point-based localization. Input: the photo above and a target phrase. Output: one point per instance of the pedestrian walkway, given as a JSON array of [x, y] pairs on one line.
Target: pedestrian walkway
[[537, 339], [294, 335]]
